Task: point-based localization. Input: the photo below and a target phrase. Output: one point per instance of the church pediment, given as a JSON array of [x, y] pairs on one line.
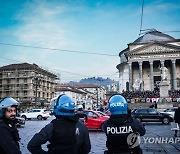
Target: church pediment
[[155, 48]]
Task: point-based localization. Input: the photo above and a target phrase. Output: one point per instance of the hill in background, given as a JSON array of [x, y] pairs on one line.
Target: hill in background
[[96, 81]]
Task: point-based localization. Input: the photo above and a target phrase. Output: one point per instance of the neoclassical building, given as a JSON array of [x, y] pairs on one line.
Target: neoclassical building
[[141, 62]]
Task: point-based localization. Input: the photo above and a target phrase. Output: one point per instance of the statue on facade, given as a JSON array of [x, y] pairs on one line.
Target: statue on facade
[[163, 73], [137, 84]]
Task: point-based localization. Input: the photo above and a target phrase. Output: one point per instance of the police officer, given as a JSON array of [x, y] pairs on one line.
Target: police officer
[[9, 136], [66, 134], [177, 118], [121, 129], [80, 113]]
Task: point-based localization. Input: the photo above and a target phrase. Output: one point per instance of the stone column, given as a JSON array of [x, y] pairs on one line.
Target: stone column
[[130, 76], [174, 80], [162, 66], [151, 75], [140, 75]]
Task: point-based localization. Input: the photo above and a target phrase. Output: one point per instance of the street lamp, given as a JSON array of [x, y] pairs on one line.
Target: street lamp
[[37, 84], [97, 97]]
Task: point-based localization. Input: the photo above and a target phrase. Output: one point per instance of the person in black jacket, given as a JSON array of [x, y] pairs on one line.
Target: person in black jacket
[[9, 136], [66, 134], [122, 131], [81, 114], [177, 119]]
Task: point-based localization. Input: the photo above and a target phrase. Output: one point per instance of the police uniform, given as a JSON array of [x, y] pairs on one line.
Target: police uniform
[[66, 134], [177, 119], [122, 131], [9, 138], [117, 129]]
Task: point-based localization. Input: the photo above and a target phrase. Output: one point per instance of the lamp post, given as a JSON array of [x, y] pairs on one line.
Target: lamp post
[[37, 84], [97, 96]]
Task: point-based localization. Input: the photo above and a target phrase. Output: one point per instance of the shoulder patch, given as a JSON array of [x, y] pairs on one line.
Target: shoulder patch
[[77, 131]]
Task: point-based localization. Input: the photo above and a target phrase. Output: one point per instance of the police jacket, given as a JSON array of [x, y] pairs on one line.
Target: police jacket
[[177, 115], [66, 136], [117, 130], [9, 137]]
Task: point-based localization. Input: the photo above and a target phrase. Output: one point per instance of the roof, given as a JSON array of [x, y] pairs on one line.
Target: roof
[[169, 49], [70, 89], [79, 86], [22, 66], [18, 66], [154, 36]]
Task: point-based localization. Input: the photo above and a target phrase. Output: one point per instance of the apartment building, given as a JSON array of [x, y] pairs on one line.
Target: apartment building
[[28, 84]]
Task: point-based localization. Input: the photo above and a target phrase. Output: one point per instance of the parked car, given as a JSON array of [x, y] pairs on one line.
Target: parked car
[[102, 113], [20, 121], [94, 119], [151, 115], [170, 111], [40, 114], [107, 112]]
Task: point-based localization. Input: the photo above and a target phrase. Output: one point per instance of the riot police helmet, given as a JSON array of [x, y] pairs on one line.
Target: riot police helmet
[[64, 106], [117, 104], [5, 103]]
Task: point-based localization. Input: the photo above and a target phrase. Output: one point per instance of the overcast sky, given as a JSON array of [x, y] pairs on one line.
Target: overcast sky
[[90, 26]]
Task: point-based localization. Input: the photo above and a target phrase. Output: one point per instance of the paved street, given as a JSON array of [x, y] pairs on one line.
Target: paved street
[[98, 138]]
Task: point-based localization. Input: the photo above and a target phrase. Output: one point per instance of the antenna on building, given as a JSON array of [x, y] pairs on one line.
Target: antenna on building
[[141, 17]]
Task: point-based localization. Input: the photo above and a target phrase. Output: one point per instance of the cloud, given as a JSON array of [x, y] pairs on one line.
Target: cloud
[[160, 7], [40, 26]]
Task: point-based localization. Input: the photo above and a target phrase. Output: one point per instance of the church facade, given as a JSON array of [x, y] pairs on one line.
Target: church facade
[[147, 61]]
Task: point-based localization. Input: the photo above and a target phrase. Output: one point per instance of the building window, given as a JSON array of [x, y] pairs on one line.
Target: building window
[[25, 86], [8, 81], [25, 93], [8, 74], [25, 80], [17, 93], [7, 93]]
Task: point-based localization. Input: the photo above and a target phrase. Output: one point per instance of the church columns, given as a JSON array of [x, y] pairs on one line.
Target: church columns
[[140, 74], [174, 80], [130, 76], [153, 72], [151, 76]]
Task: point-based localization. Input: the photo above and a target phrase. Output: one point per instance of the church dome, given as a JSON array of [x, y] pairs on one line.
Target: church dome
[[154, 36]]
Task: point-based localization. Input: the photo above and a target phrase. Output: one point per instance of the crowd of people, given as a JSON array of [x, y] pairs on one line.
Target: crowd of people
[[149, 94], [174, 93], [140, 94]]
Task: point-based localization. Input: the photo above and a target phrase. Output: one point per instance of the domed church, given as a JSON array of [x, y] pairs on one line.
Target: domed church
[[147, 61]]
